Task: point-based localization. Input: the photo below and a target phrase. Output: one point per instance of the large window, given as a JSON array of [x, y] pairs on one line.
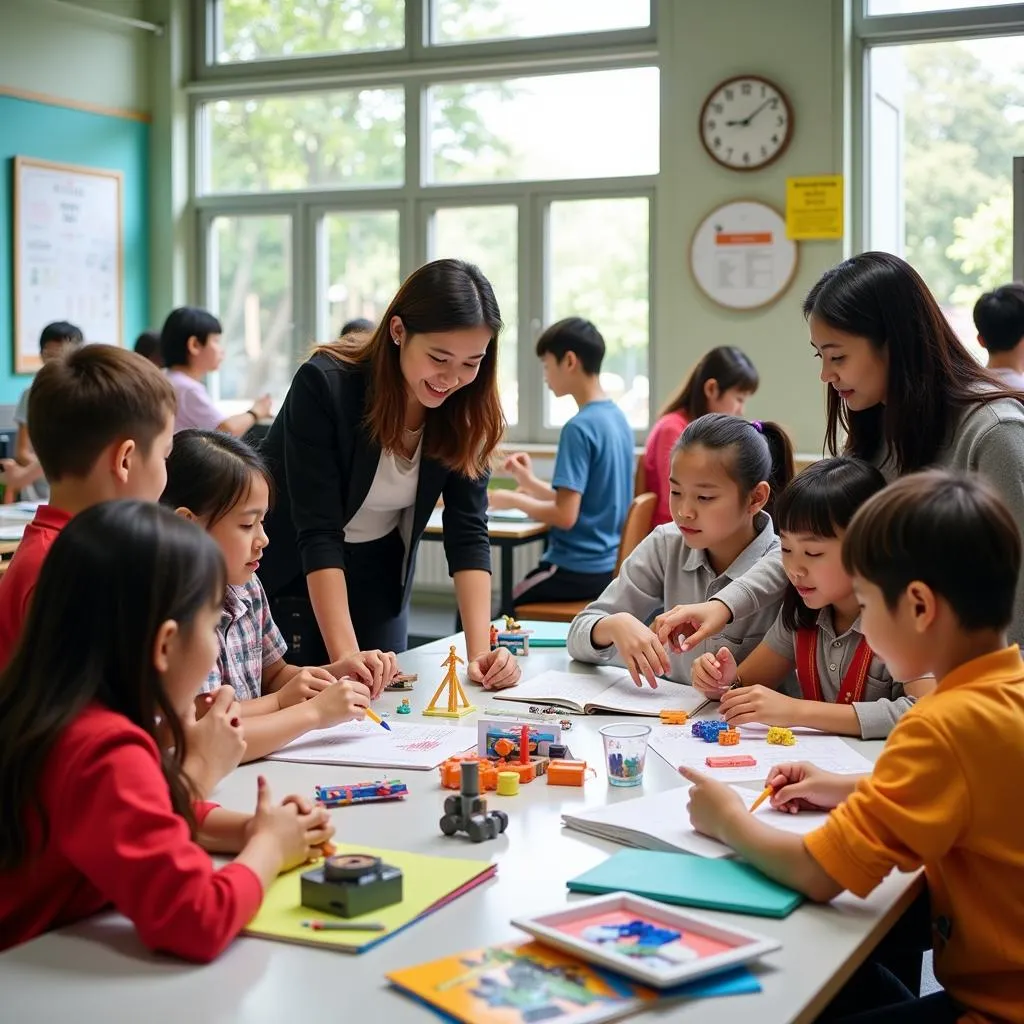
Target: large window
[[946, 119], [336, 148]]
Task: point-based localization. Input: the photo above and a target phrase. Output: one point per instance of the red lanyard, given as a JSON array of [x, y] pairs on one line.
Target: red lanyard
[[807, 669]]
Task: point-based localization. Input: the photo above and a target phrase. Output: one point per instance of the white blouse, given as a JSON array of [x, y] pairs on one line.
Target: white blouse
[[392, 492]]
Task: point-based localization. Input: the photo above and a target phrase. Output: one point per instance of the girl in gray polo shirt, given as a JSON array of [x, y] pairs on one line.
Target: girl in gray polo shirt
[[724, 474], [845, 688]]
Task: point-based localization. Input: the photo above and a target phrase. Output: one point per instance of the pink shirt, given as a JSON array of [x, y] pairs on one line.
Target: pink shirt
[[195, 407], [658, 458]]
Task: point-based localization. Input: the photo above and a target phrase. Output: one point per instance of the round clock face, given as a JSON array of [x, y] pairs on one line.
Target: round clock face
[[746, 123]]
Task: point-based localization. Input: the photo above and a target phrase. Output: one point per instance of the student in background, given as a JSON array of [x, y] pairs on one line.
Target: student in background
[[23, 472], [844, 685], [359, 326], [147, 344], [721, 382], [935, 559], [588, 497], [903, 394], [191, 348], [999, 318], [219, 482], [101, 423], [95, 811], [724, 475]]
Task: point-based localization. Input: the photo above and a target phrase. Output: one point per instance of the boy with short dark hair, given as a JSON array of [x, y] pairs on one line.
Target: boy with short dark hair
[[191, 348], [999, 318], [147, 344], [588, 497], [934, 559], [23, 472], [101, 422]]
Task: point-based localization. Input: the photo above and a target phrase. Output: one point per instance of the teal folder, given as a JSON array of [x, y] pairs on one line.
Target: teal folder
[[542, 634], [683, 878]]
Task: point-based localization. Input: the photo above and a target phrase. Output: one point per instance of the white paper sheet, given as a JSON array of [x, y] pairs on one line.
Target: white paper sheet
[[660, 822], [365, 744], [676, 745]]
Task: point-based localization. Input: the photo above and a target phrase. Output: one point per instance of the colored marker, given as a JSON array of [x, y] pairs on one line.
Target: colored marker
[[345, 926], [765, 793], [374, 717]]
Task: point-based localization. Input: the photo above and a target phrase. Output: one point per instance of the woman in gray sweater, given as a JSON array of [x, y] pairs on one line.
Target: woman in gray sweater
[[904, 394]]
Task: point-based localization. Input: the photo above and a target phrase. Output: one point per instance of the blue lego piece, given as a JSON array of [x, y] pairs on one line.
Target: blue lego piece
[[708, 729]]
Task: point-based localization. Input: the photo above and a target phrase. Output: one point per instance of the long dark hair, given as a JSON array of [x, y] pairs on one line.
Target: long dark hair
[[462, 432], [932, 377], [822, 501], [117, 571], [209, 472], [757, 451], [728, 366]]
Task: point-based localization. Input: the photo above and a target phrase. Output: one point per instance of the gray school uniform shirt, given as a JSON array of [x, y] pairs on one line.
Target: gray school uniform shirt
[[884, 700], [664, 571], [987, 439]]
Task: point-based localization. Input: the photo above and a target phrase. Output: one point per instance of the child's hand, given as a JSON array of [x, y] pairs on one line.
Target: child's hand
[[304, 685], [494, 670], [375, 668], [799, 786], [519, 465], [502, 499], [711, 804], [291, 827], [639, 647], [713, 674], [687, 625], [341, 701], [758, 704], [215, 743], [261, 407]]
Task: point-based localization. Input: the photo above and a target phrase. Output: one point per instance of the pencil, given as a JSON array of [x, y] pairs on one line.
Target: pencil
[[345, 926], [374, 717], [765, 793]]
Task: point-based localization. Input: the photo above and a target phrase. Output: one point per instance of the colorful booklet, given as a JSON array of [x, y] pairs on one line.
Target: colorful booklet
[[520, 982], [428, 883]]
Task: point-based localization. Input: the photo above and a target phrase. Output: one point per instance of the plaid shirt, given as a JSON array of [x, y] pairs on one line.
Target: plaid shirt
[[249, 642]]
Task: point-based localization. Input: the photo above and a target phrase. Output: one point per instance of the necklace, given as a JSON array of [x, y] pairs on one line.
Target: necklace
[[413, 433]]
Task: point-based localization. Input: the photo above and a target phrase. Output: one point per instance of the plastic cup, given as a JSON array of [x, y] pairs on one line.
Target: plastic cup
[[625, 751]]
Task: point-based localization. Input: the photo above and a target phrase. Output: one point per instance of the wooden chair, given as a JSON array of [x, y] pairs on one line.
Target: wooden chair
[[636, 527]]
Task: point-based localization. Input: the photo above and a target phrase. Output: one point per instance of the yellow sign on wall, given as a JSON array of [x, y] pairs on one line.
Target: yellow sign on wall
[[814, 207]]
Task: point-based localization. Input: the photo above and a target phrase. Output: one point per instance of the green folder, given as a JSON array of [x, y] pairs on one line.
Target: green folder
[[715, 884], [542, 634]]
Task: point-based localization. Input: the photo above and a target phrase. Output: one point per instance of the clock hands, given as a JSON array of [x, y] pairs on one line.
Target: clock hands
[[750, 117]]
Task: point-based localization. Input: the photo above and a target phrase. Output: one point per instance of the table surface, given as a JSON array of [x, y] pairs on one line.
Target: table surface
[[97, 969], [497, 529]]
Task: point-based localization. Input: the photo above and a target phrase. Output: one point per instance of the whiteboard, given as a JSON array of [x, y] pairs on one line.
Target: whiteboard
[[740, 256], [68, 254]]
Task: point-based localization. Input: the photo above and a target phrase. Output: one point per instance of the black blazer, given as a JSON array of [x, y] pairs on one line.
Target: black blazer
[[324, 463]]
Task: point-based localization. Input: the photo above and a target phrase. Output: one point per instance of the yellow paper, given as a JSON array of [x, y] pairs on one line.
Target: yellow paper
[[425, 882], [814, 207]]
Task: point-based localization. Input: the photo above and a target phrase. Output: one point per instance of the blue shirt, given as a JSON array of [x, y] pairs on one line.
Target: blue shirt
[[595, 459]]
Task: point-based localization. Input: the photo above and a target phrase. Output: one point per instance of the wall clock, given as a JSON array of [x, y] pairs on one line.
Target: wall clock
[[740, 256], [746, 123]]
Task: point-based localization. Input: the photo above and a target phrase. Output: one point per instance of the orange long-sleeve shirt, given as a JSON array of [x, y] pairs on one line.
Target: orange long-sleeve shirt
[[946, 794], [114, 839]]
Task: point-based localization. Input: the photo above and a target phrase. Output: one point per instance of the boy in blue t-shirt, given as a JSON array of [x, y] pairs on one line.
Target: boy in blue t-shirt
[[588, 497]]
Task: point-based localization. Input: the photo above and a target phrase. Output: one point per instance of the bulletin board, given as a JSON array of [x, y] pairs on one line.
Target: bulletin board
[[68, 254]]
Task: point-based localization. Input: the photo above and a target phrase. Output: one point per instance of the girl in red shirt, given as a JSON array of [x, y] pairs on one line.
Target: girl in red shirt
[[97, 808], [721, 382]]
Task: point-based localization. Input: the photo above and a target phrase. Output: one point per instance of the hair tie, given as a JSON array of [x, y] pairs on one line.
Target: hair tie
[[757, 425]]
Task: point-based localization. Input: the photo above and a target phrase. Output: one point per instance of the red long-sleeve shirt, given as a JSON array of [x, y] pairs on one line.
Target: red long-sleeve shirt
[[115, 839]]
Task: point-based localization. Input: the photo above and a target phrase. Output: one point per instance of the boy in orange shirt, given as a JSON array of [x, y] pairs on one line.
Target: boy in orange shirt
[[934, 558]]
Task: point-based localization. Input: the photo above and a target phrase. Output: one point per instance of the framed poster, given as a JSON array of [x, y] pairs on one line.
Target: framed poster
[[740, 256], [68, 254]]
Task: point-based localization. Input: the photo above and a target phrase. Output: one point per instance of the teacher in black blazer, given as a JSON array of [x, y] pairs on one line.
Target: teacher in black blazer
[[371, 434]]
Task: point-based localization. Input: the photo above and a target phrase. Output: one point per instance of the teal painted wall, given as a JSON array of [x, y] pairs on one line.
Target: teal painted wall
[[91, 140]]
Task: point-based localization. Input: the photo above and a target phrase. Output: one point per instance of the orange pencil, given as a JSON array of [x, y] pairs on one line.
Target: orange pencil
[[765, 793]]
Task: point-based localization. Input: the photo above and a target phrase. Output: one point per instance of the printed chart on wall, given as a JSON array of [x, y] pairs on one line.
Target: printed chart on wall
[[68, 254], [740, 255]]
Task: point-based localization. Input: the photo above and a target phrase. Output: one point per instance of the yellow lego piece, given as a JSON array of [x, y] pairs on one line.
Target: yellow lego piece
[[780, 736]]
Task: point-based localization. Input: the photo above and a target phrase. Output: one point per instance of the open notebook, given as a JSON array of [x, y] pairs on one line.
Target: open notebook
[[591, 692], [660, 822]]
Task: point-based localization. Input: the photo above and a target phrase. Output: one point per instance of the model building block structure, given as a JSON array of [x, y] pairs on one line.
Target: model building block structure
[[467, 811]]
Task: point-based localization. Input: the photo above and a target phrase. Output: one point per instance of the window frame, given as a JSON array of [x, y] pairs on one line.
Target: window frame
[[414, 68]]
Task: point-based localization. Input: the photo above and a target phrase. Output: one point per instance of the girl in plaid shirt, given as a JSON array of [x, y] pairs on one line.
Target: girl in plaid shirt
[[220, 482]]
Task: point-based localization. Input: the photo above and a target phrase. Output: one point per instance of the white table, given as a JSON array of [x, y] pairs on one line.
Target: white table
[[98, 971]]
